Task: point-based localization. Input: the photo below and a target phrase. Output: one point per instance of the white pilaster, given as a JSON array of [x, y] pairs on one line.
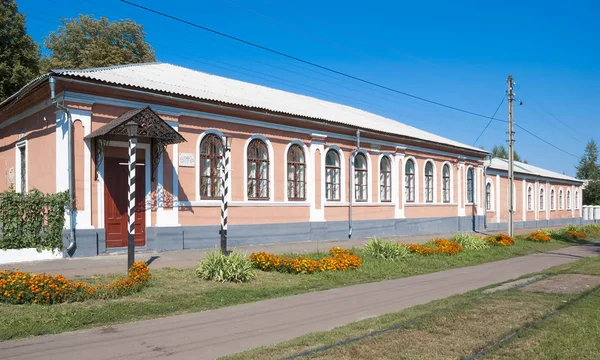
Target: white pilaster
[[169, 217], [84, 217], [536, 200], [398, 183], [461, 197], [547, 200], [316, 143], [481, 191], [524, 200], [498, 204]]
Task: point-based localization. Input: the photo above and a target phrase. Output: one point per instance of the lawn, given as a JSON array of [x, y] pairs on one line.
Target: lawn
[[461, 326], [175, 291]]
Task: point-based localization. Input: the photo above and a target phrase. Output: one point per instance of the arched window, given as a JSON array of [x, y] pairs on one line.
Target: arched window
[[529, 198], [258, 170], [385, 179], [211, 155], [470, 184], [576, 199], [446, 183], [409, 180], [296, 173], [488, 196], [332, 176], [552, 204], [428, 182], [360, 177], [560, 199], [569, 199], [541, 198]]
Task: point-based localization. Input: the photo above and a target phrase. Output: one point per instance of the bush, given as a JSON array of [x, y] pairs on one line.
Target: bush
[[577, 235], [501, 239], [25, 288], [234, 267], [387, 250], [470, 241], [539, 236], [338, 259], [32, 220], [442, 246]]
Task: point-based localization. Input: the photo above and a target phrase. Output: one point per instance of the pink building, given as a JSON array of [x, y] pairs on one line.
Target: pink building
[[301, 168]]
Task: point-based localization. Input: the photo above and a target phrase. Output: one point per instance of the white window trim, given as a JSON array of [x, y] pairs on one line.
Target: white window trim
[[392, 165], [552, 201], [307, 172], [568, 200], [416, 173], [198, 142], [342, 174], [541, 192], [492, 192], [576, 199], [474, 189], [18, 173], [271, 168], [451, 182], [434, 181], [561, 199], [369, 178], [532, 207]]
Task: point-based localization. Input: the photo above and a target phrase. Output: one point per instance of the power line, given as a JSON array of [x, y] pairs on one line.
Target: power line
[[547, 142], [308, 62], [491, 119]]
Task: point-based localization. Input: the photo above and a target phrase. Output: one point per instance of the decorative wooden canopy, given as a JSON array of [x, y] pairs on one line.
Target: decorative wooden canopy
[[151, 126]]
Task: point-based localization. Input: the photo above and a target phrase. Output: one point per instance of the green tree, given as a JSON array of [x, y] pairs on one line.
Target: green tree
[[19, 53], [588, 168], [591, 193], [500, 151], [85, 42]]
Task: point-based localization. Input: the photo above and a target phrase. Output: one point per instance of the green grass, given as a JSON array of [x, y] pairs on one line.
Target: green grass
[[472, 324], [174, 291]]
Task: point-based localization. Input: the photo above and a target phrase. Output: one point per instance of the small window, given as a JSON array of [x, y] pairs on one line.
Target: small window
[[446, 183], [569, 199], [409, 180], [332, 176], [560, 199], [576, 199], [470, 184], [542, 199], [296, 173], [385, 179], [22, 175], [258, 170], [552, 198], [360, 177], [488, 197], [211, 155], [529, 198], [428, 182]]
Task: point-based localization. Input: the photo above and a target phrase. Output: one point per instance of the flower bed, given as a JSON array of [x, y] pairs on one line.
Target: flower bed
[[442, 246], [577, 234], [18, 287], [501, 239], [338, 259], [539, 236]]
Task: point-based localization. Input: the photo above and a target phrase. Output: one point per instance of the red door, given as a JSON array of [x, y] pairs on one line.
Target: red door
[[115, 203]]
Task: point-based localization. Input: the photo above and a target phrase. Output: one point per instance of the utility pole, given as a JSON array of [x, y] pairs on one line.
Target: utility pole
[[511, 152]]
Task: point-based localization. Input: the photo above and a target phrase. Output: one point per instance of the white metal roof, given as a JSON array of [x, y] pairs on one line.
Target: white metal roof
[[522, 168], [187, 82]]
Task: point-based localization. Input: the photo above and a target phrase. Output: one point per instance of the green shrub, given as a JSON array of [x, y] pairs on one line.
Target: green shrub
[[388, 250], [470, 241], [556, 234], [234, 267]]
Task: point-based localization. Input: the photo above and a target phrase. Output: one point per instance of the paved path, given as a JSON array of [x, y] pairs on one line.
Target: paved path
[[111, 264], [209, 334]]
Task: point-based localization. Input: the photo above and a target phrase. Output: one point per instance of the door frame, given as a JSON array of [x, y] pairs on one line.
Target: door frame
[[147, 196]]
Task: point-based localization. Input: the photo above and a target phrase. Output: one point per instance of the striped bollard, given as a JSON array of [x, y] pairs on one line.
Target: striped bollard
[[131, 204], [224, 202]]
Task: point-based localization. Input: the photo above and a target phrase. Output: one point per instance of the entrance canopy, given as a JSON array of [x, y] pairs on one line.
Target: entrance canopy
[[151, 126]]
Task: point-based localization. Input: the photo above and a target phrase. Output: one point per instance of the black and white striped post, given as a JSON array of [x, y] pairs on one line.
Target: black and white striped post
[[132, 131], [225, 193]]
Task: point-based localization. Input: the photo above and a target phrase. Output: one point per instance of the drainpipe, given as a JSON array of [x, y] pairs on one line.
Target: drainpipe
[[353, 154], [52, 82]]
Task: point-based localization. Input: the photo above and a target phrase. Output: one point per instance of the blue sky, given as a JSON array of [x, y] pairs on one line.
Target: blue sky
[[458, 53]]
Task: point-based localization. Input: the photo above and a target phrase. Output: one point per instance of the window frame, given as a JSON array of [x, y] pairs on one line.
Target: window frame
[[333, 169], [386, 184], [488, 196], [569, 203], [561, 198], [21, 180], [409, 178], [542, 201], [470, 185], [576, 199], [296, 182], [446, 181], [552, 199], [363, 175], [255, 142], [215, 163], [428, 183], [530, 198]]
